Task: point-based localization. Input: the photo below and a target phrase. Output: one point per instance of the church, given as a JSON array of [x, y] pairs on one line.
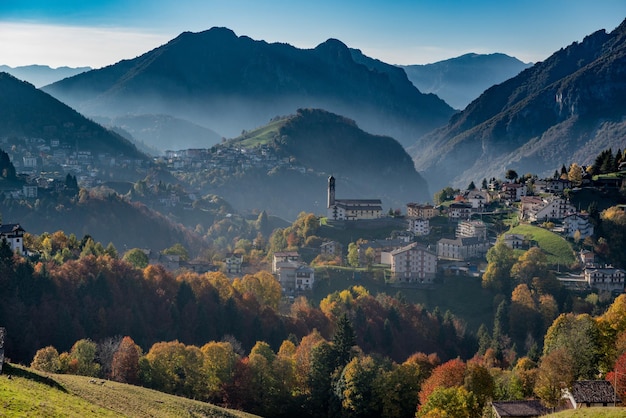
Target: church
[[351, 209]]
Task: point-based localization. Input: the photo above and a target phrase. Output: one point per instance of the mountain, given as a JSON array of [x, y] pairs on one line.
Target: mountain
[[163, 131], [313, 144], [566, 109], [229, 83], [29, 112], [41, 75], [460, 80]]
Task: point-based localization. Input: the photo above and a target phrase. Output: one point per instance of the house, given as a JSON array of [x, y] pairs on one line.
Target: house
[[419, 226], [536, 209], [13, 235], [609, 279], [589, 393], [461, 249], [477, 198], [294, 276], [284, 257], [330, 248], [466, 229], [233, 263], [351, 209], [411, 263], [459, 210], [552, 185], [514, 241], [379, 246], [521, 409], [416, 210], [577, 222], [512, 192]]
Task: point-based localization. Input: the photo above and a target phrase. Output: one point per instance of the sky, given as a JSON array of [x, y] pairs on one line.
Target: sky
[[97, 33]]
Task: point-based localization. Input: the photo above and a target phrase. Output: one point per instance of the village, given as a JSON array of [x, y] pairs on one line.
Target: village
[[412, 256]]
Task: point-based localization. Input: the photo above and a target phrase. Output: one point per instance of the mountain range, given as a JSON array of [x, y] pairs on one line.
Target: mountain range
[[460, 80], [30, 113], [228, 83], [41, 75], [565, 109]]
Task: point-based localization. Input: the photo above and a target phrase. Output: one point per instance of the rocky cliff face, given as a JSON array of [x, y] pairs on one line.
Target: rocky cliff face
[[565, 109]]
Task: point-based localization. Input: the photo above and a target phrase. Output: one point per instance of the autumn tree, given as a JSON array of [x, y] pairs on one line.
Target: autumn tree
[[397, 389], [449, 374], [575, 174], [263, 286], [47, 360], [125, 365], [355, 388], [454, 401], [555, 372]]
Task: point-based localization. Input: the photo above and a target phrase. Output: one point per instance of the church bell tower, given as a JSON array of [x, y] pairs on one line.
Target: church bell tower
[[331, 191]]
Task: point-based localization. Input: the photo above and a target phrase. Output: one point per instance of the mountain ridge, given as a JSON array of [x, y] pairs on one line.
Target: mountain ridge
[[227, 82], [462, 79], [566, 108]]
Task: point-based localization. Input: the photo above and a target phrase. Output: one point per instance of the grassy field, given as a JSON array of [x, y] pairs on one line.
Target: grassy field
[[31, 394], [558, 250], [608, 412], [261, 136], [463, 296]]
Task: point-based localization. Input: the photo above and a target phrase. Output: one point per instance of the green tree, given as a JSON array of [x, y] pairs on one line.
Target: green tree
[[344, 340], [510, 174], [137, 257], [497, 275], [370, 257], [453, 402], [353, 254], [83, 358], [179, 250], [579, 336]]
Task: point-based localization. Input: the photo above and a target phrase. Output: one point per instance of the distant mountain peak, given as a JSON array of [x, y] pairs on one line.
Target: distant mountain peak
[[229, 83]]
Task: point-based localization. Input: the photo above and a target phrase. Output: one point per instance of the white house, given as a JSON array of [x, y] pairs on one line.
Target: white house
[[412, 263], [609, 279], [514, 241], [294, 276], [13, 235], [543, 209], [577, 222], [466, 229], [459, 210], [461, 249], [419, 226]]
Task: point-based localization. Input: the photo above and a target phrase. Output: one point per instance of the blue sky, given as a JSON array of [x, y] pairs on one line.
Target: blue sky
[[101, 32]]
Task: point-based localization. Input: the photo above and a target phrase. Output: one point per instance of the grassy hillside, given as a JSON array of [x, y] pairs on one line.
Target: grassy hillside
[[592, 413], [28, 393], [558, 250]]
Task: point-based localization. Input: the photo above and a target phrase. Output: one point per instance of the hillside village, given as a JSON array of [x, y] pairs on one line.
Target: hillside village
[[414, 255]]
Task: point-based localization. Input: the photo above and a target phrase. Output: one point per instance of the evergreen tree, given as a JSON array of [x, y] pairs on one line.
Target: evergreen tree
[[343, 340], [7, 169]]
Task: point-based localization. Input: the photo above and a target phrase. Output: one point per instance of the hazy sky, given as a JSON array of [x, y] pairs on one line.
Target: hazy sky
[[101, 32]]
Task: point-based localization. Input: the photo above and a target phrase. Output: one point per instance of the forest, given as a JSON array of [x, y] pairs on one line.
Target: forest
[[231, 342]]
